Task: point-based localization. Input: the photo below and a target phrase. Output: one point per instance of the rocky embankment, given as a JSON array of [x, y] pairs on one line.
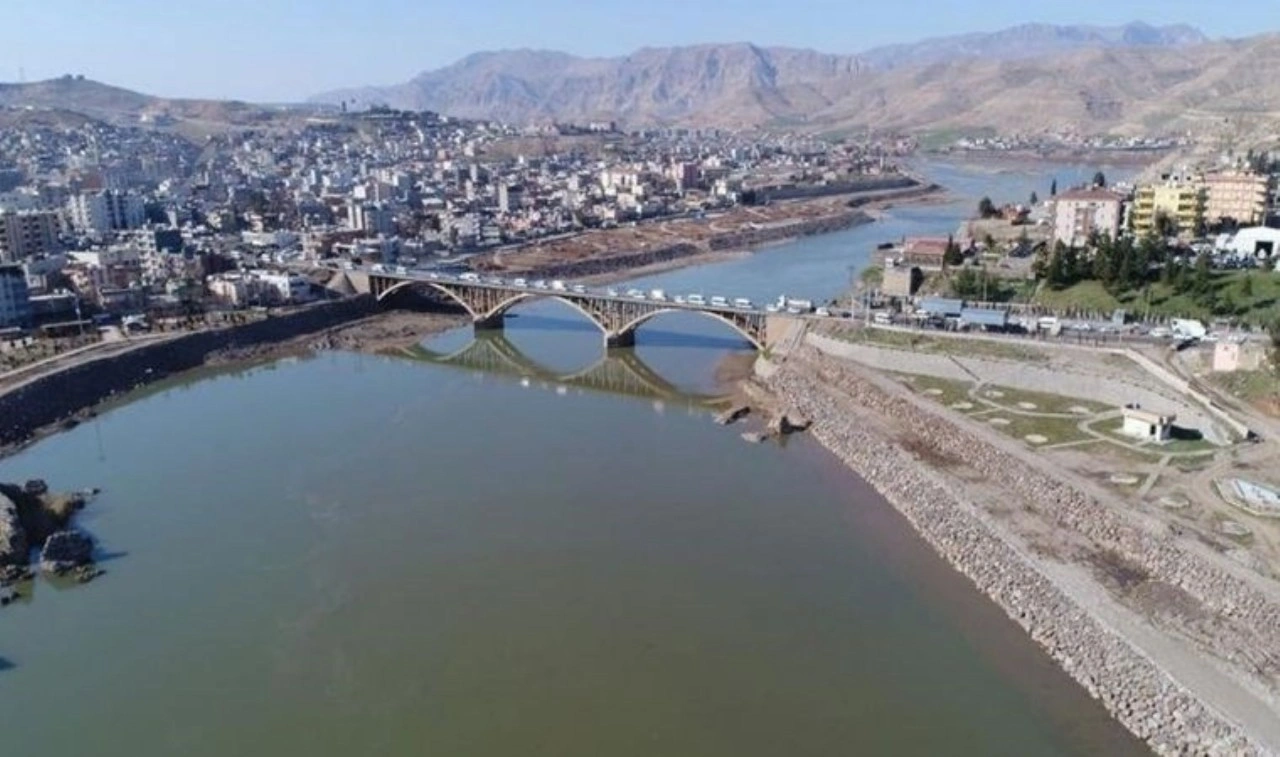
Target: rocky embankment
[[747, 238], [902, 465], [31, 516]]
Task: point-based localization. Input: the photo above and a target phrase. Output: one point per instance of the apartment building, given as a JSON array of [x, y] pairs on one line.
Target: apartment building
[[27, 233], [108, 210], [1081, 213], [1236, 196], [1183, 203]]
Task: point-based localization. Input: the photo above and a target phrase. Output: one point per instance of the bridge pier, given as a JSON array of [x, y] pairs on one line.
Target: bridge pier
[[620, 340], [492, 323]]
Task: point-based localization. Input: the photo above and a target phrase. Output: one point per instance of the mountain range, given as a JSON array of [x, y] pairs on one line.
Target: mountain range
[[1031, 41], [1133, 79]]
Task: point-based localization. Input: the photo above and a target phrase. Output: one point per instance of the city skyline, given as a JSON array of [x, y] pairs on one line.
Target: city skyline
[[265, 51]]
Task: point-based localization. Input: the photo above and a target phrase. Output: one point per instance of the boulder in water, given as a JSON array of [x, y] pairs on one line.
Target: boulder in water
[[66, 550], [13, 538]]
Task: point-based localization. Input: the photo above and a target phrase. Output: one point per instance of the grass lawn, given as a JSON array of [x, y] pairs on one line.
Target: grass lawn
[[1044, 403], [945, 391], [1055, 430], [1192, 463], [1182, 446], [1118, 453], [1258, 306]]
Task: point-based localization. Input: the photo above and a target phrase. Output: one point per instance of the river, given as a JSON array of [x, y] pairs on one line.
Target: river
[[516, 548]]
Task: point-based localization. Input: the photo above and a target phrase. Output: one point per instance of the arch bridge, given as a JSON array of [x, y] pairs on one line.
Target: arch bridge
[[617, 317]]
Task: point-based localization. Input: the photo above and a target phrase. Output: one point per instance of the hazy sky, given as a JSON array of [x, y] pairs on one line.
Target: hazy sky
[[274, 50]]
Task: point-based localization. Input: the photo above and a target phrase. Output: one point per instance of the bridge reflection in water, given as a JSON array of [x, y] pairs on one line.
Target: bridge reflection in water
[[618, 371]]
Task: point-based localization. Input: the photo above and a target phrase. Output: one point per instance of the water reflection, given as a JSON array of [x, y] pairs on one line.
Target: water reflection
[[619, 371]]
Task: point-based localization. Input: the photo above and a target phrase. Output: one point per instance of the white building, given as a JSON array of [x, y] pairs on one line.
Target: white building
[[1081, 213], [1256, 241], [108, 210], [371, 218], [1147, 426]]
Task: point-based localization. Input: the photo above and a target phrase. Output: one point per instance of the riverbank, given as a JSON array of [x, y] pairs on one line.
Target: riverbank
[[64, 397], [1071, 571], [662, 245]]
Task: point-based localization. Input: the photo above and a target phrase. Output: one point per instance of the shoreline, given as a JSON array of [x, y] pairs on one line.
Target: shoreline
[[880, 435], [43, 405], [842, 212]]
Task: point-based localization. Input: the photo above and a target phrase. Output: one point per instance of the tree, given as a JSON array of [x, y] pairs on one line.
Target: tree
[[1273, 331], [952, 256], [1035, 199], [1246, 287], [989, 242], [1202, 280], [987, 208], [1165, 225], [1100, 180], [967, 284], [1053, 188]]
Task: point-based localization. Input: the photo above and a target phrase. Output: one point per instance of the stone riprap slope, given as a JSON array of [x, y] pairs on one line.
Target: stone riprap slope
[[903, 451]]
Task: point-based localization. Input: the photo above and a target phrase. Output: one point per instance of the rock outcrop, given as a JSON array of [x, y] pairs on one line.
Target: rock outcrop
[[14, 549], [65, 551], [32, 515]]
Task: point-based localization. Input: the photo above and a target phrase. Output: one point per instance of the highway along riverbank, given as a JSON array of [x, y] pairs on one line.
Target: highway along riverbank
[[1179, 643]]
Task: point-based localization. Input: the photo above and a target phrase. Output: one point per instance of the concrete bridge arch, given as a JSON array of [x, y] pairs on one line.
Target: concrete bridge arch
[[618, 318]]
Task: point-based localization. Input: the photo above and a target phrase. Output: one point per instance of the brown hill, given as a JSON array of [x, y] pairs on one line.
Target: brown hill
[[56, 98], [700, 84], [1122, 91], [1139, 88]]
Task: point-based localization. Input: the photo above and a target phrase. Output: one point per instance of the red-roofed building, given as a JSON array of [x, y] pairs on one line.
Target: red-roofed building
[[926, 252]]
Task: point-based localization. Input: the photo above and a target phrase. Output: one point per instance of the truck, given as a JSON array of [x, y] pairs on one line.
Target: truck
[[719, 302], [558, 285], [1186, 328], [790, 304], [742, 303], [657, 295], [378, 268], [469, 276]]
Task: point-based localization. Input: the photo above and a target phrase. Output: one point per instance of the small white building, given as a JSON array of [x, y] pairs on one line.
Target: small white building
[[1147, 426], [1256, 241]]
